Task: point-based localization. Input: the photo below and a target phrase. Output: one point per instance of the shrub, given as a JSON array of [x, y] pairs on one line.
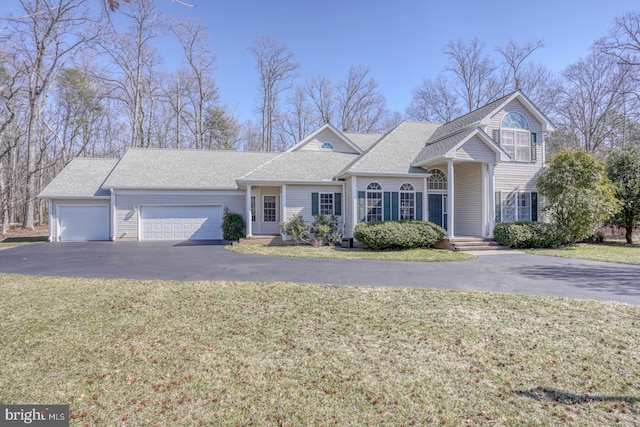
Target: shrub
[[232, 225], [398, 234], [325, 229], [295, 228], [531, 234]]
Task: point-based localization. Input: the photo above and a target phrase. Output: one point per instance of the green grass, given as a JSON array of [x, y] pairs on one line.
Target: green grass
[[137, 353], [12, 242], [418, 255], [608, 252]]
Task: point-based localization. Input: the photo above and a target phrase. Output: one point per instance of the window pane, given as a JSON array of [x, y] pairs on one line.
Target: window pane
[[374, 206], [507, 142], [407, 206], [437, 180], [509, 207], [253, 208], [523, 146], [326, 203], [524, 207], [269, 208]]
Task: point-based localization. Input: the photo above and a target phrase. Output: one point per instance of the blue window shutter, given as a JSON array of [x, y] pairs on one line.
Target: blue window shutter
[[496, 136], [337, 203], [315, 204], [534, 154], [387, 206], [419, 206], [394, 206], [362, 208], [498, 210], [534, 206]]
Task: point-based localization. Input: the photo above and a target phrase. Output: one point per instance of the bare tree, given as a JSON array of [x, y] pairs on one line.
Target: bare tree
[[133, 57], [321, 93], [201, 90], [591, 100], [276, 67], [514, 56], [476, 83], [434, 101], [50, 32], [623, 40], [360, 104]]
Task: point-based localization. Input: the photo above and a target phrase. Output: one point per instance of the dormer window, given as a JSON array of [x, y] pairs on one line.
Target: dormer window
[[516, 139], [327, 146]]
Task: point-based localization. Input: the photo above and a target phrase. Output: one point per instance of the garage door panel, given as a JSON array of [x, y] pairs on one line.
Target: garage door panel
[[83, 223], [181, 222]]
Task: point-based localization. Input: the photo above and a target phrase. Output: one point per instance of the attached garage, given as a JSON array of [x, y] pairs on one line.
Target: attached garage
[[79, 223], [180, 222]]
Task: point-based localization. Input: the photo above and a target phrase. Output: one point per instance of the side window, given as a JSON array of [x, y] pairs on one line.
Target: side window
[[374, 202]]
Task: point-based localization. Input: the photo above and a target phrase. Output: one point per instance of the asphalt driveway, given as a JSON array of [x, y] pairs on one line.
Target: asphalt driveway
[[509, 272]]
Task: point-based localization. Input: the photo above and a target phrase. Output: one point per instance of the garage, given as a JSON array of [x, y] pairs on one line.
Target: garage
[[80, 223], [180, 222]]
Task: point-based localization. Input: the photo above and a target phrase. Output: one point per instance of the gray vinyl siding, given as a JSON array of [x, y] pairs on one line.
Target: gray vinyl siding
[[299, 199], [468, 199], [475, 150], [127, 206], [327, 136], [53, 214]]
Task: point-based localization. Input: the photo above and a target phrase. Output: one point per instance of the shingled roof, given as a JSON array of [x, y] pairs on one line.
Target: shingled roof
[[183, 169], [395, 152], [82, 177]]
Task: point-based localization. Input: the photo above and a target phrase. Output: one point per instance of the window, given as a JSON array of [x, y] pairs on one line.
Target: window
[[374, 202], [515, 137], [515, 206], [437, 180], [326, 203], [327, 146], [269, 208], [407, 202], [253, 208]]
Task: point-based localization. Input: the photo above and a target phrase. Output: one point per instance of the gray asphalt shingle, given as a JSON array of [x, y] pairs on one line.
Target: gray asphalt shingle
[[301, 166], [80, 178]]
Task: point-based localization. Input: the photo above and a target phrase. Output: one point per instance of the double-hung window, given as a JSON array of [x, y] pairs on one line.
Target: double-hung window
[[407, 202], [269, 208], [516, 206], [326, 203], [374, 202]]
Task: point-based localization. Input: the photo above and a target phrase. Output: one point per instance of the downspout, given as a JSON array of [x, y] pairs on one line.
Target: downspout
[[344, 208], [112, 221], [50, 207]]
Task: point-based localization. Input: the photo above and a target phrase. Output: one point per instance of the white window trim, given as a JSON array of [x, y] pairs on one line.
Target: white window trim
[[264, 208], [329, 146], [368, 207], [333, 201], [411, 208], [517, 206]]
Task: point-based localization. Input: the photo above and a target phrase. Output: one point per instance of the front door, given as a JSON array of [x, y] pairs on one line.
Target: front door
[[437, 210]]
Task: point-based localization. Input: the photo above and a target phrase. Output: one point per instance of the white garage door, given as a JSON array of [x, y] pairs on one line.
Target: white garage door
[[181, 222], [82, 223]]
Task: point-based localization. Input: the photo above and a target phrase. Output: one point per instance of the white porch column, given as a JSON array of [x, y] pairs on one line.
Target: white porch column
[[484, 203], [492, 198], [248, 212], [283, 207], [450, 204]]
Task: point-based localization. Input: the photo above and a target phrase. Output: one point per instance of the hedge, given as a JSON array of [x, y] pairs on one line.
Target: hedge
[[531, 234], [398, 234]]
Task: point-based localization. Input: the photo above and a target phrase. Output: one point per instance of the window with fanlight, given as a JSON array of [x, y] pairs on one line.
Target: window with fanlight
[[374, 202], [407, 202], [516, 138], [437, 180]]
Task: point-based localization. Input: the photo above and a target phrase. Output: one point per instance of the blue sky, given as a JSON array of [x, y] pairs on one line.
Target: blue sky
[[400, 41]]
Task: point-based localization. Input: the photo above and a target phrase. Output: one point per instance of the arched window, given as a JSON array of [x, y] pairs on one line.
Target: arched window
[[407, 202], [374, 202], [327, 146], [437, 180], [515, 137]]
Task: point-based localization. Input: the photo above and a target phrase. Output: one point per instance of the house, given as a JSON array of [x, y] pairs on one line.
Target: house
[[465, 175]]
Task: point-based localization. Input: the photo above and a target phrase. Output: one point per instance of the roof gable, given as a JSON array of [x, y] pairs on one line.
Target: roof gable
[[330, 134], [82, 177]]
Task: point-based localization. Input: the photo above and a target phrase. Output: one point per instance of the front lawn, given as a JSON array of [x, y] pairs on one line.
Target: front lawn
[[135, 353], [609, 252], [418, 255]]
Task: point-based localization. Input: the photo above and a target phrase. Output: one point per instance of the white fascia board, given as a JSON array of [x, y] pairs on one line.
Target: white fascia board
[[58, 197], [279, 183], [332, 129], [171, 190], [384, 174]]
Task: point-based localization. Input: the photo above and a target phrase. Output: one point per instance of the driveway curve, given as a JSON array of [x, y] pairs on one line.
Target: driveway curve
[[509, 272]]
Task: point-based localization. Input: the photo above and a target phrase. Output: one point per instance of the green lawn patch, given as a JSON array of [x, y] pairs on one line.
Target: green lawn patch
[[418, 255], [12, 242], [135, 353], [608, 252]]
